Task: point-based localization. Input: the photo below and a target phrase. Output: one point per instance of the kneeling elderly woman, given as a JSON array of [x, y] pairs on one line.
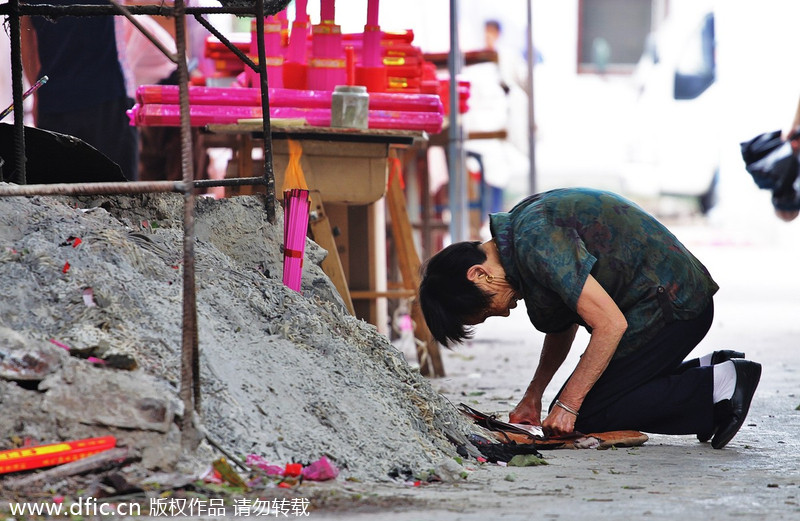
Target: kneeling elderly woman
[[581, 257]]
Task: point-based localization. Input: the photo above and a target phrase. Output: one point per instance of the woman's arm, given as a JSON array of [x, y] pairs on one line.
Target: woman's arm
[[608, 324], [554, 350]]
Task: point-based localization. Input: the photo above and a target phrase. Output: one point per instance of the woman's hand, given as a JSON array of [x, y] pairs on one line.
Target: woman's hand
[[554, 351], [527, 411], [559, 422]]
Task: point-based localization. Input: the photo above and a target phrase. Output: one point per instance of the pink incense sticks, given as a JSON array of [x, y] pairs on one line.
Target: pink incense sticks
[[198, 95], [302, 99], [200, 115], [296, 206]]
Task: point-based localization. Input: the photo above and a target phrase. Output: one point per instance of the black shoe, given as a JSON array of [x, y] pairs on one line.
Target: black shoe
[[722, 412], [747, 376], [717, 357]]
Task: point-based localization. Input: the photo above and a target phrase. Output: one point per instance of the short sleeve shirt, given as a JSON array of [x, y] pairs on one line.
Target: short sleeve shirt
[[79, 56], [551, 242]]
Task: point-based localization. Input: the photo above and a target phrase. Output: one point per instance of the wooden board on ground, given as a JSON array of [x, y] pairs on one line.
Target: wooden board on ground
[[508, 433]]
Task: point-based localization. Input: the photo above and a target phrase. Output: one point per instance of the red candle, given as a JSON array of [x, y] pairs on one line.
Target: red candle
[[350, 63]]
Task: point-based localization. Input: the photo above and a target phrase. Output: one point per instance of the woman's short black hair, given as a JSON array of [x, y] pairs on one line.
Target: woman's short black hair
[[447, 297]]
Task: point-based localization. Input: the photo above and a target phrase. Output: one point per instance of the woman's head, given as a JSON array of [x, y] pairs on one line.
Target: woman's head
[[449, 299]]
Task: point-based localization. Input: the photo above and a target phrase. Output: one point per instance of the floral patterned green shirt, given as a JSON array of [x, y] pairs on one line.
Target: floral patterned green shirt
[[550, 243]]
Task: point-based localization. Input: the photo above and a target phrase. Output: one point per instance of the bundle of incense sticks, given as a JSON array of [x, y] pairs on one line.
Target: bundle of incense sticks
[[249, 97], [200, 115], [157, 115], [296, 206]]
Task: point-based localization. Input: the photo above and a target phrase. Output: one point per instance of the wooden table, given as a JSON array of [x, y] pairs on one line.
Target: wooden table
[[348, 169]]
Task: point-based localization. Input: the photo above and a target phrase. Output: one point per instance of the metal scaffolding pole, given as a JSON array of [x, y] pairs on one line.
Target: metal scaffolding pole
[[190, 365], [16, 89], [457, 187], [531, 119], [190, 370], [269, 175]]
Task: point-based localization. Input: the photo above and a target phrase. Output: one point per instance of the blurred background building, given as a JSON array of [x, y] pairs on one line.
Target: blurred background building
[[649, 98]]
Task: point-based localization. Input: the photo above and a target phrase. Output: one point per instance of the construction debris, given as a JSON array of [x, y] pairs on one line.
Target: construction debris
[[285, 375]]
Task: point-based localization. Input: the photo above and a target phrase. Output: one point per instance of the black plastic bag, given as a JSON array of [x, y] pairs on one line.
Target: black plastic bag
[[773, 165]]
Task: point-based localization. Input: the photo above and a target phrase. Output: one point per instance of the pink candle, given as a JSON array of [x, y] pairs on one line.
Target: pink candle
[[300, 14], [372, 12], [327, 11], [298, 39]]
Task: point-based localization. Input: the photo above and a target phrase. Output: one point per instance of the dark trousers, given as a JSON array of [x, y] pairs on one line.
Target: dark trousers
[[653, 389], [106, 127]]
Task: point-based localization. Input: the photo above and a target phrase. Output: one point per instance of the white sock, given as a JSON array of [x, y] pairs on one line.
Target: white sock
[[705, 360], [724, 381]]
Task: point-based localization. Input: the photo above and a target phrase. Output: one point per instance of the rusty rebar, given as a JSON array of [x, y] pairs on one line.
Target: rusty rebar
[[18, 176], [234, 181], [123, 188], [269, 175], [190, 381], [56, 11]]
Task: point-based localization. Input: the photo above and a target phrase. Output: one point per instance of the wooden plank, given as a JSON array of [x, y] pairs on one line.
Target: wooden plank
[[393, 293], [496, 134], [305, 132], [430, 360], [322, 235]]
